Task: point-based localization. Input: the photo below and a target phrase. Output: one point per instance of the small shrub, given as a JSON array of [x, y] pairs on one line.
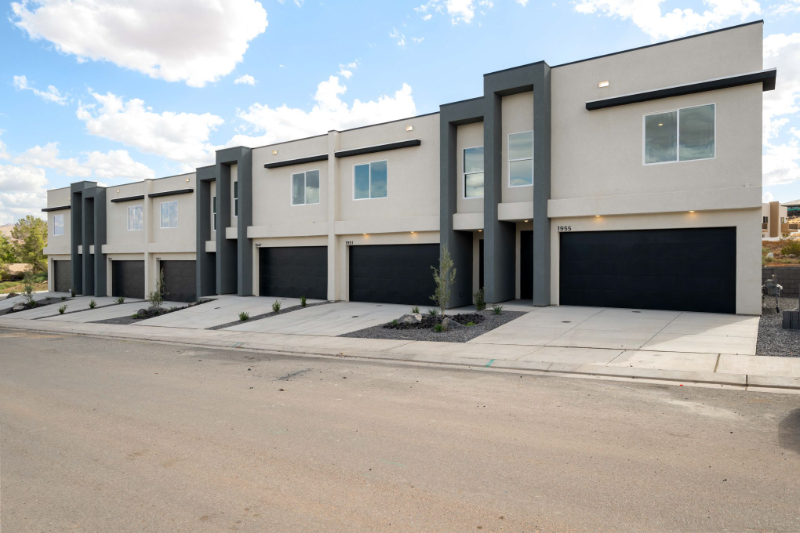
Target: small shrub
[[121, 299], [156, 298], [172, 309], [445, 278], [135, 315], [414, 310], [62, 309], [470, 323], [394, 322], [438, 328], [480, 300], [92, 304], [244, 316], [792, 247], [433, 311], [497, 309], [27, 293], [276, 307], [303, 302]]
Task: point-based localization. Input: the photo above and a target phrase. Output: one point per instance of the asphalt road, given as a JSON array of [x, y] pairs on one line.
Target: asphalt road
[[115, 436]]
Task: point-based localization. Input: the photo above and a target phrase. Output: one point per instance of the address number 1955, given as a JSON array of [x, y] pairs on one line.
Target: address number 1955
[[565, 228]]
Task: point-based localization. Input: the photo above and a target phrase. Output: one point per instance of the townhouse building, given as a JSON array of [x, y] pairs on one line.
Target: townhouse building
[[626, 180]]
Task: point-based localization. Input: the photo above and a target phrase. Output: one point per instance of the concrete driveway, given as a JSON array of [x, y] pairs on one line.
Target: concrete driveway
[[222, 310], [331, 320], [7, 303], [618, 330], [73, 304], [109, 311]]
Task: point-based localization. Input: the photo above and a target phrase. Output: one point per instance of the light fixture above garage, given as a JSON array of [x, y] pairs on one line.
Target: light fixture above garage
[[274, 152], [409, 128], [526, 221], [691, 211], [604, 84]]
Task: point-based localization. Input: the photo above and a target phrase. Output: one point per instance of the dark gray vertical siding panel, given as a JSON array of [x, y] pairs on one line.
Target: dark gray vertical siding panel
[[234, 258], [541, 189], [206, 261], [100, 264], [88, 240]]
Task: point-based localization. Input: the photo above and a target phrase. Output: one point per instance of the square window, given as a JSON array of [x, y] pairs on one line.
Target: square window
[[58, 224], [135, 218], [305, 188], [371, 180], [169, 214], [686, 134]]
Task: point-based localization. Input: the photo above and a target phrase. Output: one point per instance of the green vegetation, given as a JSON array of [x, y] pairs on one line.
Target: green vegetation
[[433, 311], [92, 304], [445, 278], [30, 235], [438, 328], [303, 302], [470, 323], [497, 309], [244, 316], [156, 297], [480, 300], [415, 310], [39, 284], [62, 309], [121, 299], [276, 307]]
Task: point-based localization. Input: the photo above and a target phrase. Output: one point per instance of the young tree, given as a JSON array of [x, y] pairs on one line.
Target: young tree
[[445, 278], [31, 238], [6, 251]]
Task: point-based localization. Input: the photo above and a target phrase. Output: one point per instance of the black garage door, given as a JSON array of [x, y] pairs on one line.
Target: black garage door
[[62, 270], [293, 272], [127, 279], [180, 280], [678, 269], [397, 274]]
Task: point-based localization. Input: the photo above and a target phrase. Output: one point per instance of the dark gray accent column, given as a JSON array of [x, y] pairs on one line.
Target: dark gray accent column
[[458, 243], [234, 258], [500, 237], [541, 188], [206, 261], [77, 233], [100, 264], [87, 258]]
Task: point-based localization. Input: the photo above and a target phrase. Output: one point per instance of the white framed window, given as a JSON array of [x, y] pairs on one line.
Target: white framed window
[[473, 172], [686, 134], [371, 180], [520, 159], [135, 218], [58, 224], [236, 198], [169, 214], [305, 188], [214, 213]]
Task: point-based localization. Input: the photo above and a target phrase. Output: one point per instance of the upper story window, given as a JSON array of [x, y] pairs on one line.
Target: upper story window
[[236, 198], [520, 159], [370, 180], [58, 224], [214, 213], [764, 220], [686, 134], [305, 188], [135, 218], [473, 172], [169, 214]]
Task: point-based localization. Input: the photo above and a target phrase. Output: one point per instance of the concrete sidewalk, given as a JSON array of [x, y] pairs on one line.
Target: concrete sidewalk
[[720, 370]]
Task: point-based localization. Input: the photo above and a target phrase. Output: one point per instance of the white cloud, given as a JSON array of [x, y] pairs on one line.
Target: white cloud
[[328, 113], [787, 8], [767, 197], [50, 95], [417, 40], [23, 191], [781, 163], [181, 40], [647, 14], [111, 164], [523, 3], [247, 79], [181, 137], [401, 39], [347, 70], [3, 151], [458, 10]]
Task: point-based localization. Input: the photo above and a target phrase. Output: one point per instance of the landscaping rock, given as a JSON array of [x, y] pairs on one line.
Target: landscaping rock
[[413, 318], [450, 324], [18, 307]]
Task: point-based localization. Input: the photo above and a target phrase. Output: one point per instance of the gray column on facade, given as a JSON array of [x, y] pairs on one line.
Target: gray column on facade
[[234, 258], [206, 261], [76, 236], [100, 264], [87, 237], [499, 236], [458, 243]]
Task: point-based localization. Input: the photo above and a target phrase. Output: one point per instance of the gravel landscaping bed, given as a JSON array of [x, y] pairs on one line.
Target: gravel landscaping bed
[[772, 338], [39, 303], [133, 319], [68, 312], [266, 315], [467, 333]]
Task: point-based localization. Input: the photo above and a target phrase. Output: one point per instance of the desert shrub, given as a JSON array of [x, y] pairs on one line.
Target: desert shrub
[[792, 247], [92, 304], [121, 299], [276, 307], [497, 309], [480, 300], [303, 302], [415, 310], [62, 309], [433, 311], [244, 316], [438, 328]]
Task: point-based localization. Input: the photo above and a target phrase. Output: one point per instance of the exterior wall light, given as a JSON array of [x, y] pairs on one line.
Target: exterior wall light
[[412, 233], [409, 128], [691, 211], [597, 216], [526, 221], [480, 231], [604, 84], [187, 180], [274, 152]]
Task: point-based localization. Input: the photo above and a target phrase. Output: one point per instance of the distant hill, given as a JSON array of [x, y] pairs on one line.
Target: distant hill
[[6, 230]]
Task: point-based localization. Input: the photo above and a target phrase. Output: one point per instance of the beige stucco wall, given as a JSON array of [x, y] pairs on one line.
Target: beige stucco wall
[[748, 245], [467, 136], [118, 238], [517, 117], [413, 173], [182, 238], [58, 244], [599, 154]]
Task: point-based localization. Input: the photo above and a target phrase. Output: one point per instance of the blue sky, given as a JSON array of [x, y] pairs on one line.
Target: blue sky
[[122, 91]]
